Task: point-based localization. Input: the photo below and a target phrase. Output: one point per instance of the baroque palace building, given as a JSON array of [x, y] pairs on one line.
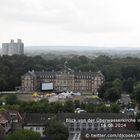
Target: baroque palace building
[[64, 80]]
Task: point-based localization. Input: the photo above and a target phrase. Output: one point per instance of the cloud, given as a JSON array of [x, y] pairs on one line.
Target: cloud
[[66, 21], [40, 11]]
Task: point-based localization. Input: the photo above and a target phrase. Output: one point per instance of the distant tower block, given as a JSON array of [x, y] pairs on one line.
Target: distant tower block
[[13, 48]]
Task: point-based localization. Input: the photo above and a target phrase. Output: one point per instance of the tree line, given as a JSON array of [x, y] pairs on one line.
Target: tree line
[[122, 75], [12, 67], [68, 106]]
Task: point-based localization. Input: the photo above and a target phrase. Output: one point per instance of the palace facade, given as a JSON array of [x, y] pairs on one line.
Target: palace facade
[[64, 80]]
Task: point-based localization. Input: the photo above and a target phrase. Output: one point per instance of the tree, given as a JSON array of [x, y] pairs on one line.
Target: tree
[[83, 59], [90, 108], [102, 60], [128, 85], [86, 67], [115, 108], [77, 104], [103, 109], [69, 106], [3, 83], [137, 93], [24, 135], [113, 94], [56, 130], [138, 122], [83, 106], [103, 88], [11, 99], [130, 71], [117, 83]]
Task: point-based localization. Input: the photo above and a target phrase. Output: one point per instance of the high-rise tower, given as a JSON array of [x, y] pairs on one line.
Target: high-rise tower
[[13, 48]]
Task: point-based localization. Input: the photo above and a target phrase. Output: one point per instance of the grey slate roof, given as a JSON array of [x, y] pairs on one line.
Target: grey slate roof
[[125, 99], [85, 75], [78, 75], [63, 116], [44, 73], [37, 119]]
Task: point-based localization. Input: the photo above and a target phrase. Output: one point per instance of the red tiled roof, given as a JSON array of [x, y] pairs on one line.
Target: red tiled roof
[[3, 118]]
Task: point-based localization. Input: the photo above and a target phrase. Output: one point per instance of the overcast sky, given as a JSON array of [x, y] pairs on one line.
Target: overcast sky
[[108, 23]]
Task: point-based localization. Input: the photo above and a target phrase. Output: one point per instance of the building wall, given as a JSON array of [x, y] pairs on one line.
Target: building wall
[[5, 49], [77, 127], [13, 48], [63, 81], [29, 83]]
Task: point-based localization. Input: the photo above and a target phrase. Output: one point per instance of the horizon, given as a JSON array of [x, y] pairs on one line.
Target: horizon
[[77, 47], [74, 47]]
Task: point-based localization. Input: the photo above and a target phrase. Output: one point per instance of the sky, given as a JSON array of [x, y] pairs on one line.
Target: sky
[[100, 23]]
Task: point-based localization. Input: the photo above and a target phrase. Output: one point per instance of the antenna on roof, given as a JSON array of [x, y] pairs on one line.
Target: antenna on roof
[[65, 64], [66, 67]]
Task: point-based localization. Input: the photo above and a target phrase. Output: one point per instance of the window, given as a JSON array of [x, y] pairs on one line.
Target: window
[[37, 128], [102, 126], [77, 126], [84, 126], [109, 126], [31, 128], [90, 126], [13, 115], [71, 126], [95, 126]]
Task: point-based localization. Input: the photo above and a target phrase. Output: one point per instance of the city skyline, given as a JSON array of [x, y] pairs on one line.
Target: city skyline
[[110, 23]]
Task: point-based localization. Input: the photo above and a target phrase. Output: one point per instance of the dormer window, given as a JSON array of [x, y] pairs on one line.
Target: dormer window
[[13, 115]]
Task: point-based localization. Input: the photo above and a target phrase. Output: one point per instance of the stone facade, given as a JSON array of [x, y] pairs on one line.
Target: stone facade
[[64, 80]]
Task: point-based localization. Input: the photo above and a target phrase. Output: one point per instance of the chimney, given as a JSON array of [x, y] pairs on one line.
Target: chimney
[[12, 40], [18, 40]]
